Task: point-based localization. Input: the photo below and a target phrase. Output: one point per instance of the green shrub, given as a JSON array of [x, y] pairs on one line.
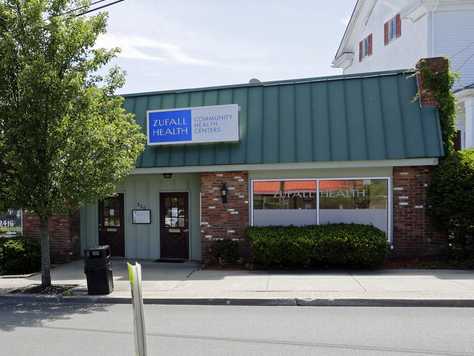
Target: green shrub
[[225, 251], [335, 245], [451, 200], [19, 256]]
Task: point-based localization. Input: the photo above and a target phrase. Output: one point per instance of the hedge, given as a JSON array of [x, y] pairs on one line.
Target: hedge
[[224, 252], [19, 255], [451, 201], [334, 245]]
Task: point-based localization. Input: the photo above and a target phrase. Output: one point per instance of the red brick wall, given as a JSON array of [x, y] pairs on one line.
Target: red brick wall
[[63, 234], [223, 220], [436, 65], [414, 234]]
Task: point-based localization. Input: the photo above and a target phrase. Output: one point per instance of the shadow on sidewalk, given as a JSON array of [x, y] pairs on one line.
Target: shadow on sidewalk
[[14, 315]]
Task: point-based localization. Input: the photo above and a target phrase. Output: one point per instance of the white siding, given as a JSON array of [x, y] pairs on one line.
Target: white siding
[[401, 53], [454, 38], [446, 30]]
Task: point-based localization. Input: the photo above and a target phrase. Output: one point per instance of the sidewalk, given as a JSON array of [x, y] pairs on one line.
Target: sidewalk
[[186, 283]]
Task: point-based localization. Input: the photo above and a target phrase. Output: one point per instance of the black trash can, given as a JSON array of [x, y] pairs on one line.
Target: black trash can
[[98, 270]]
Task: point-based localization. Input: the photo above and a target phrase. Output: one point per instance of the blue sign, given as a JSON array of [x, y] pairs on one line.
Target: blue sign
[[204, 124], [169, 126]]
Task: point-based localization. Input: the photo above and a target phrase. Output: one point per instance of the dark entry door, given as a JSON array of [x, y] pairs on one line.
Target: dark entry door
[[111, 224], [174, 226]]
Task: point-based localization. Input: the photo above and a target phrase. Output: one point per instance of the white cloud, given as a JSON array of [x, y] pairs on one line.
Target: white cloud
[[143, 48]]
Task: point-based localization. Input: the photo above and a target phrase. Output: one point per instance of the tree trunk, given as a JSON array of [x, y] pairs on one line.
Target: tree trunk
[[45, 259]]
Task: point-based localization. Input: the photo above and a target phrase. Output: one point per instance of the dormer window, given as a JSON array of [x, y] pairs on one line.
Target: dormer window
[[365, 47], [392, 29]]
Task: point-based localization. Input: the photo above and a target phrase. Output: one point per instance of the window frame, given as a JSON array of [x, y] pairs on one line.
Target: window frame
[[365, 47], [318, 180], [393, 29], [366, 50]]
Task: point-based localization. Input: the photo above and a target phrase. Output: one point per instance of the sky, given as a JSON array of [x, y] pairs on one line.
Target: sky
[[176, 44]]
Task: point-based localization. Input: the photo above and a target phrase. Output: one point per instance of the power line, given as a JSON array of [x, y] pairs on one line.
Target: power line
[[88, 7], [465, 62], [99, 7], [462, 50], [82, 7]]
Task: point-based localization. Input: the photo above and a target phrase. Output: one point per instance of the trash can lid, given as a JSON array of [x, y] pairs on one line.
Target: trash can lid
[[98, 251], [101, 247]]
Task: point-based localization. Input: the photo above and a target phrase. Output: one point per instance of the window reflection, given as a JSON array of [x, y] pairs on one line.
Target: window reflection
[[294, 202], [111, 212], [359, 201], [291, 202], [174, 215]]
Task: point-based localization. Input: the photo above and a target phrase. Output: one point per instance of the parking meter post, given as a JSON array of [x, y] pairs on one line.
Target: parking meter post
[[135, 276]]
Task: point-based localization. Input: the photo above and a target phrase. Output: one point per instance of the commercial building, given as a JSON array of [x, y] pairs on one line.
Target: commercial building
[[356, 148]]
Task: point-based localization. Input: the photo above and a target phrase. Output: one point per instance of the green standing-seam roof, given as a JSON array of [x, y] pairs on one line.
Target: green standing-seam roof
[[370, 116]]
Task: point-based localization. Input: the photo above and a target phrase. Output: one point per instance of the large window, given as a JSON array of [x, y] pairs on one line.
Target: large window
[[362, 201], [297, 202], [291, 202]]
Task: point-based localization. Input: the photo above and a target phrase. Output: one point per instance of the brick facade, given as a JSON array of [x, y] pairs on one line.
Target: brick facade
[[414, 234], [223, 220], [413, 231], [64, 235], [436, 65]]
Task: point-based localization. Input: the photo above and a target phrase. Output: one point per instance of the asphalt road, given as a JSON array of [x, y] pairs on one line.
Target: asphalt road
[[39, 329]]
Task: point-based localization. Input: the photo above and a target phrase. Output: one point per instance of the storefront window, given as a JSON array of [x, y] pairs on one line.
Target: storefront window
[[291, 202], [362, 201], [294, 202]]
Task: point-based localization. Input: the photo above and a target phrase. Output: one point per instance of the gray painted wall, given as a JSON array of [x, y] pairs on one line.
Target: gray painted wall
[[143, 241]]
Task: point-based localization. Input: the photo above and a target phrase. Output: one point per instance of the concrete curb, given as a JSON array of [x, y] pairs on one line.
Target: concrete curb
[[446, 303], [18, 276], [440, 303]]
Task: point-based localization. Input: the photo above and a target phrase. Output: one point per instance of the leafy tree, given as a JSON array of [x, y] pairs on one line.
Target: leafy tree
[[65, 138], [451, 197]]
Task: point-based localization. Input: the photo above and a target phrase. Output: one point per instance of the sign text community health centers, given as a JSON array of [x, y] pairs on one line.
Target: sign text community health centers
[[204, 124]]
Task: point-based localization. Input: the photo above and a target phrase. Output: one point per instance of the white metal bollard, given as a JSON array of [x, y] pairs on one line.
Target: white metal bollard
[[135, 276]]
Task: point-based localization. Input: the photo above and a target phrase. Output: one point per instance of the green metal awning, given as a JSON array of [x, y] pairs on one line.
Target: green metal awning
[[370, 116]]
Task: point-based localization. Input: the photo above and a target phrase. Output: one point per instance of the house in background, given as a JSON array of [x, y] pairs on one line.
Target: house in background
[[395, 34]]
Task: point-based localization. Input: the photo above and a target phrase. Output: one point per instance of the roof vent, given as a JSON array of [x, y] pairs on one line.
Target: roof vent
[[254, 81]]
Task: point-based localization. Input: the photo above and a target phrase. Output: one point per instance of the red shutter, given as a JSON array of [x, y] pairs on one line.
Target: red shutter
[[385, 33], [361, 49], [370, 45], [399, 25]]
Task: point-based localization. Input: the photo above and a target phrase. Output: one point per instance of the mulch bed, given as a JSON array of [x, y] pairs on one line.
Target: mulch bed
[[57, 289]]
